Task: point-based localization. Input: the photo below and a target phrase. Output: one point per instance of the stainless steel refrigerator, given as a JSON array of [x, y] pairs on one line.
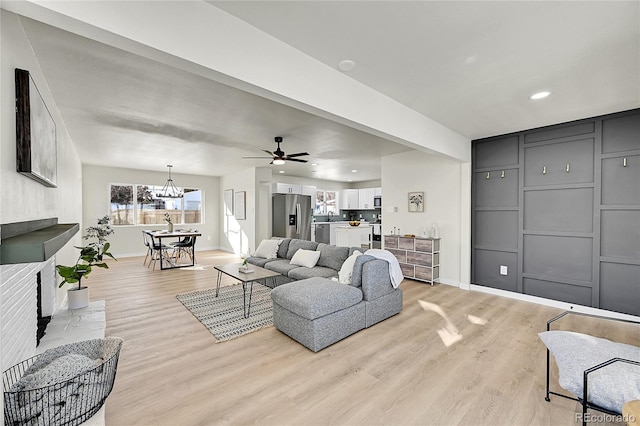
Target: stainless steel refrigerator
[[292, 216]]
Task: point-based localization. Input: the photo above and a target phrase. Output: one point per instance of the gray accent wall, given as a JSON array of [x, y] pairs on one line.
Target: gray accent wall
[[556, 212]]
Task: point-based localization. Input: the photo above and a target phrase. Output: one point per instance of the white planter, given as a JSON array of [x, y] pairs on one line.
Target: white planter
[[78, 299]]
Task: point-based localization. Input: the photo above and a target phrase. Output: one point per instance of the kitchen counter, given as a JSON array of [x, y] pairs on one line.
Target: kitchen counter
[[354, 236], [339, 222]]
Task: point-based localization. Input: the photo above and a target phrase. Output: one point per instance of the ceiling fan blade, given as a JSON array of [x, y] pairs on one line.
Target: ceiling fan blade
[[296, 160], [270, 153], [266, 158], [299, 154]]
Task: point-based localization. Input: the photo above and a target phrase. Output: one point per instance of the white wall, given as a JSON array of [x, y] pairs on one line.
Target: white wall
[[239, 235], [127, 239], [23, 199], [440, 180]]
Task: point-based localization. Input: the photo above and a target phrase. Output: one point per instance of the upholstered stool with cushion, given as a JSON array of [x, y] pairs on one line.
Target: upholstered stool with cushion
[[317, 312]]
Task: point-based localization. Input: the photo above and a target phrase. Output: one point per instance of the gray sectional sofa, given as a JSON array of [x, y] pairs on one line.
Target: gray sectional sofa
[[328, 266], [316, 311]]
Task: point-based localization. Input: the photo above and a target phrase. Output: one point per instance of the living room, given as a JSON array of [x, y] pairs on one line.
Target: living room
[[434, 160]]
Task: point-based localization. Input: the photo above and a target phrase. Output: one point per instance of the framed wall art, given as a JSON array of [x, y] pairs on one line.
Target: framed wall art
[[239, 208], [416, 202], [228, 202], [36, 146]]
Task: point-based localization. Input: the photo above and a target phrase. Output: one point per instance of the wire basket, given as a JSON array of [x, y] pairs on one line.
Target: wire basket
[[65, 397]]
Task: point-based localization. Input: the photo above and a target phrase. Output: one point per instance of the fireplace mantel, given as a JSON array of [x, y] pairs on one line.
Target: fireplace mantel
[[34, 241]]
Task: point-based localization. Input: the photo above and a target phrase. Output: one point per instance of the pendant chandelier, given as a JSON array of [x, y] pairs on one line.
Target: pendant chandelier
[[169, 189]]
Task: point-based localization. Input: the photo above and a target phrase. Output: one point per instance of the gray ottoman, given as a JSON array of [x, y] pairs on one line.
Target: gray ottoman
[[318, 312]]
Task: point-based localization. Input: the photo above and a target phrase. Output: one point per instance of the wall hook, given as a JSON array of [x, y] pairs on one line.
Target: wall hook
[[488, 175], [544, 170], [624, 162], [568, 168], [502, 174]]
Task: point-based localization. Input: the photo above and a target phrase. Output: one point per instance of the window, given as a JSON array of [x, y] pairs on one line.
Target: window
[[326, 202], [122, 204], [149, 209]]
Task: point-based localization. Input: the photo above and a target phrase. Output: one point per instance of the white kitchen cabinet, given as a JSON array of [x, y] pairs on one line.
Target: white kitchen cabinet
[[309, 190], [365, 198], [292, 188], [377, 192], [349, 199], [287, 188]]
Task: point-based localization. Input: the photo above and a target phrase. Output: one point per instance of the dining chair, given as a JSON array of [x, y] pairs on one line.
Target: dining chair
[[185, 246], [145, 240], [155, 249]]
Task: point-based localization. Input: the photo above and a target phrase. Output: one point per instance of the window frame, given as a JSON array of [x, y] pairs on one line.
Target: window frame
[[136, 208], [325, 203]]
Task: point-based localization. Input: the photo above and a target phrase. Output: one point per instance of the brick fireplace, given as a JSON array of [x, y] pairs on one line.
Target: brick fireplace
[[19, 307], [27, 256]]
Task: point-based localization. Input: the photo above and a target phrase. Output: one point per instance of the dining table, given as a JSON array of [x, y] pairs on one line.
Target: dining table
[[172, 263]]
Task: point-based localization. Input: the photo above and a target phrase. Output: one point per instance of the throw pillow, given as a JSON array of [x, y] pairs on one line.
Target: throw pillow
[[306, 258], [268, 249], [610, 386], [344, 275]]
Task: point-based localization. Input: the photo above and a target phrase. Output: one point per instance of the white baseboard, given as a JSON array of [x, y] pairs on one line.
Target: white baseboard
[[446, 281], [142, 253], [553, 303]]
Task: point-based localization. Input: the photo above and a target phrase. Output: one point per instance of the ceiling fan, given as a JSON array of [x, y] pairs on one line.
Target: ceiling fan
[[278, 156]]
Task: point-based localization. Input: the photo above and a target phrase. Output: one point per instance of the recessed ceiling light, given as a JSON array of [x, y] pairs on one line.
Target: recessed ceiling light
[[539, 95], [346, 65], [314, 164], [354, 171], [281, 171], [350, 180]]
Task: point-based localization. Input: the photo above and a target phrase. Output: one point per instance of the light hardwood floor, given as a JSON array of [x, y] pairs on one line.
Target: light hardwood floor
[[399, 372]]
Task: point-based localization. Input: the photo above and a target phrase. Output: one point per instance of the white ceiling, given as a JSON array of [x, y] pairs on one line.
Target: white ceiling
[[468, 65]]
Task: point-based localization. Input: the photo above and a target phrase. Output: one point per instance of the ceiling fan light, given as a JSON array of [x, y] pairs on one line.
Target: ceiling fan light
[[278, 161], [539, 95]]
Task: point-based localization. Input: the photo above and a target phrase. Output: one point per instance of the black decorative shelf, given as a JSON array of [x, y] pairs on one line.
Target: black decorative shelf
[[34, 241]]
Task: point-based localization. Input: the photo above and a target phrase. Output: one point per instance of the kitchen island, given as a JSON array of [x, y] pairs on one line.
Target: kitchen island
[[354, 236]]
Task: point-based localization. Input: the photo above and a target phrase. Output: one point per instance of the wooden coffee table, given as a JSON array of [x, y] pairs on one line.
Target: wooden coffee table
[[246, 278]]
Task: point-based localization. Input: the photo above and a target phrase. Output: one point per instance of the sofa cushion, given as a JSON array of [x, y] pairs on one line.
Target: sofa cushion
[[259, 261], [376, 281], [318, 271], [282, 266], [306, 258], [315, 297], [284, 246], [332, 256], [267, 249], [295, 245], [356, 275]]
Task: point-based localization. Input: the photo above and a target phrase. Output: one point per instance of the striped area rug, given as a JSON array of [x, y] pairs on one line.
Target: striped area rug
[[223, 315]]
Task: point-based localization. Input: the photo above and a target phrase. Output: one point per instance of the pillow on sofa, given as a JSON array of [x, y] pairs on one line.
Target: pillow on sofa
[[268, 249], [306, 258], [332, 256], [344, 275], [296, 244], [284, 246], [609, 387]]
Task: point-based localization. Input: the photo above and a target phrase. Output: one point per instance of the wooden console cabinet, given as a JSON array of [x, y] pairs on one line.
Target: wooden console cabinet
[[419, 258]]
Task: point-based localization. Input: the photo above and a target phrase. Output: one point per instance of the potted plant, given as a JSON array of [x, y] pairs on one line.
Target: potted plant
[[91, 255], [167, 218]]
